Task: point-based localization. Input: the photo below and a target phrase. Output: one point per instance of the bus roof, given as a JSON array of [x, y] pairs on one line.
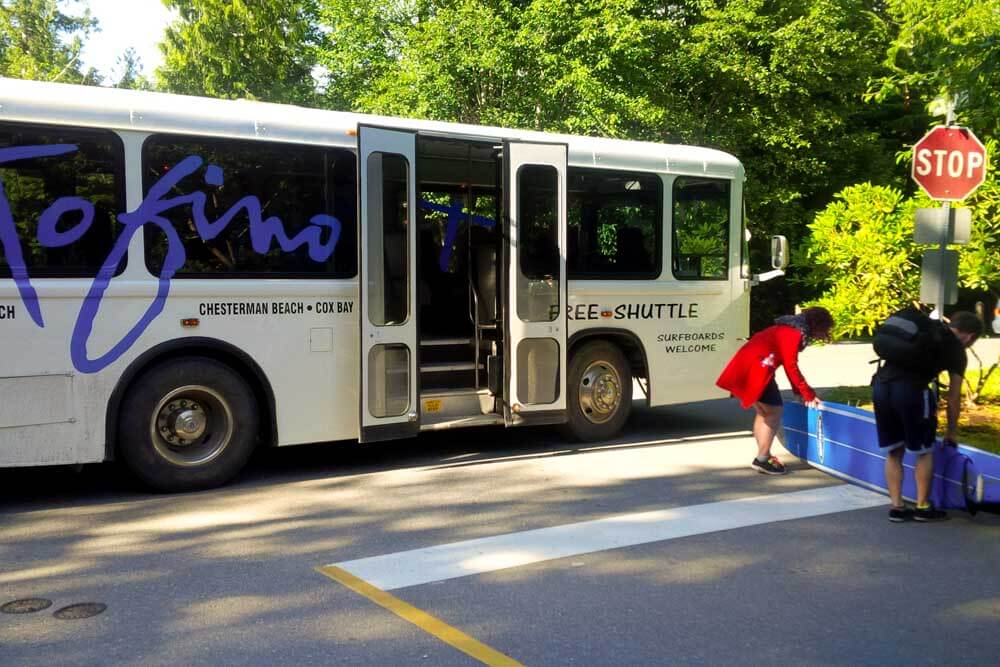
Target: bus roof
[[119, 109]]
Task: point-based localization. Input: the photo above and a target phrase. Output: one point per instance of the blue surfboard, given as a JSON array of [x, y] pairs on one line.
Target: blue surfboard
[[841, 441]]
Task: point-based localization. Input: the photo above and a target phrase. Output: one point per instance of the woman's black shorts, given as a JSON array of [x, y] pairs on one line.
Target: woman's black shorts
[[771, 395]]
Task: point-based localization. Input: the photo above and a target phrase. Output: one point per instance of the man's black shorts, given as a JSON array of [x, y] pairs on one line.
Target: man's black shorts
[[905, 415]]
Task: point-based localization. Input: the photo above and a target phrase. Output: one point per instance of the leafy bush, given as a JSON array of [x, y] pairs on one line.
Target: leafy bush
[[861, 254]]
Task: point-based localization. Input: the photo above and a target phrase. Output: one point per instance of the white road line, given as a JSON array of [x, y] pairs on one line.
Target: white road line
[[460, 559]]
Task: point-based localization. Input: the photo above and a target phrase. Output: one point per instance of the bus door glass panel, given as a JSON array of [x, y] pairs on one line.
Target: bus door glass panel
[[538, 251], [388, 276], [388, 329], [537, 279], [388, 283], [388, 380]]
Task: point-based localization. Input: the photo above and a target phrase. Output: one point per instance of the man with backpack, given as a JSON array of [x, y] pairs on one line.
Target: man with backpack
[[914, 350]]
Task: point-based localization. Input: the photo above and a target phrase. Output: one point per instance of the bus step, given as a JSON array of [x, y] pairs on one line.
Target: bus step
[[447, 404], [448, 367], [439, 342], [476, 420]]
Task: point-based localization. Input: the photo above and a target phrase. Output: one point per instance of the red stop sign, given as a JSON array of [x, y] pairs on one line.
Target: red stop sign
[[949, 163]]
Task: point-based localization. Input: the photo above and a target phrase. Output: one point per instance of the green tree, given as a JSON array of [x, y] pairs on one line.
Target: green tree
[[779, 83], [579, 66], [943, 49], [39, 41], [359, 42], [458, 64], [128, 67], [598, 66], [255, 49]]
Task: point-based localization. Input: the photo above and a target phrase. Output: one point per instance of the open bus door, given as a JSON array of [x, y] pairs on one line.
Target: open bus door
[[387, 285], [535, 294]]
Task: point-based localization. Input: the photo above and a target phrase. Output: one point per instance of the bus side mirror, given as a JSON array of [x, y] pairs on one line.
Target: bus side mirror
[[779, 252], [779, 260]]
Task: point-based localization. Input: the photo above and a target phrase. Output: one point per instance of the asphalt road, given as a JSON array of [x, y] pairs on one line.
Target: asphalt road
[[230, 576]]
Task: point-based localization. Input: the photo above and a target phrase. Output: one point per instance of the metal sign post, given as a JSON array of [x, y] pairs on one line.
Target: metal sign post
[[948, 231], [942, 249]]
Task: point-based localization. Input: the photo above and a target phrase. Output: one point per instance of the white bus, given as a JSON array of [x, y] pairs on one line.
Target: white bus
[[185, 279]]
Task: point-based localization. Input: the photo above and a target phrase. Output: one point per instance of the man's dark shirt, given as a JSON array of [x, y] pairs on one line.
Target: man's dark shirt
[[950, 356]]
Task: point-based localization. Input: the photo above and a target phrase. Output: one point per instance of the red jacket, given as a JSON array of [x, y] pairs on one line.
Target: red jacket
[[753, 366]]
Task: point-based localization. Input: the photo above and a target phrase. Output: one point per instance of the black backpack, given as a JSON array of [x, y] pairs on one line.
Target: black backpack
[[911, 340]]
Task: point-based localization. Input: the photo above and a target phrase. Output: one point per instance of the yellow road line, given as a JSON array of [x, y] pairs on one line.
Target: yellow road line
[[446, 633]]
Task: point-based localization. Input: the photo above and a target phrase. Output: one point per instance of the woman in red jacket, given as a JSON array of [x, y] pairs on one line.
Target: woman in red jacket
[[750, 376]]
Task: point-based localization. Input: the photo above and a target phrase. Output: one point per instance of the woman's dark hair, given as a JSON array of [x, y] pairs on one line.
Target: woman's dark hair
[[817, 319]]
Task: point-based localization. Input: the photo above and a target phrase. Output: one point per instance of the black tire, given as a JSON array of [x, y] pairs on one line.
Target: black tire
[[600, 392], [188, 423]]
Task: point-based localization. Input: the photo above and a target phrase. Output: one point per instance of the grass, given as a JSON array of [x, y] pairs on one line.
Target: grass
[[991, 392], [860, 397], [979, 425]]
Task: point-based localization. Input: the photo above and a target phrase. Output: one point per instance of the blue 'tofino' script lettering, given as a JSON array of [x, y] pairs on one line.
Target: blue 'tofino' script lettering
[[456, 214], [263, 233]]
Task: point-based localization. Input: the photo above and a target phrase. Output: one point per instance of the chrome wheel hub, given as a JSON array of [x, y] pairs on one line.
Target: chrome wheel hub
[[191, 425], [600, 392]]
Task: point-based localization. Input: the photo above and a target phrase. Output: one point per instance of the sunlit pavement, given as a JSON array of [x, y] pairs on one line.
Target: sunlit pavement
[[229, 576]]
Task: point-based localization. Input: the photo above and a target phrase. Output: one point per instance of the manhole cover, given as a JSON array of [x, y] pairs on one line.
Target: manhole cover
[[81, 610], [26, 606]]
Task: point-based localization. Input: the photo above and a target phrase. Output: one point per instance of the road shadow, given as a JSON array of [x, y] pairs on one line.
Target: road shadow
[[647, 427]]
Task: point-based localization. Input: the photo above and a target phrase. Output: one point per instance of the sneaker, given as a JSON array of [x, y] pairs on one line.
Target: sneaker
[[929, 514], [772, 466], [900, 514]]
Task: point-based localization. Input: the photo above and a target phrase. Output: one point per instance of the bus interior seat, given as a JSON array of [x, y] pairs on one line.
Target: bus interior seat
[[686, 266], [486, 284], [484, 271], [632, 255]]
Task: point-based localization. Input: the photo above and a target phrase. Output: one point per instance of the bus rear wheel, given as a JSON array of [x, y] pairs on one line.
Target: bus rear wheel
[[600, 391], [189, 423]]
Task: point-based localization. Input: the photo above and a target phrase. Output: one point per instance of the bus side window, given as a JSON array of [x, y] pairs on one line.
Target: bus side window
[[700, 240], [614, 224], [287, 183], [91, 171]]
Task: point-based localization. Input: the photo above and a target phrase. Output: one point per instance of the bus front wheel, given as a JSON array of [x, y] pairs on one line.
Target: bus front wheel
[[188, 423], [600, 391]]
